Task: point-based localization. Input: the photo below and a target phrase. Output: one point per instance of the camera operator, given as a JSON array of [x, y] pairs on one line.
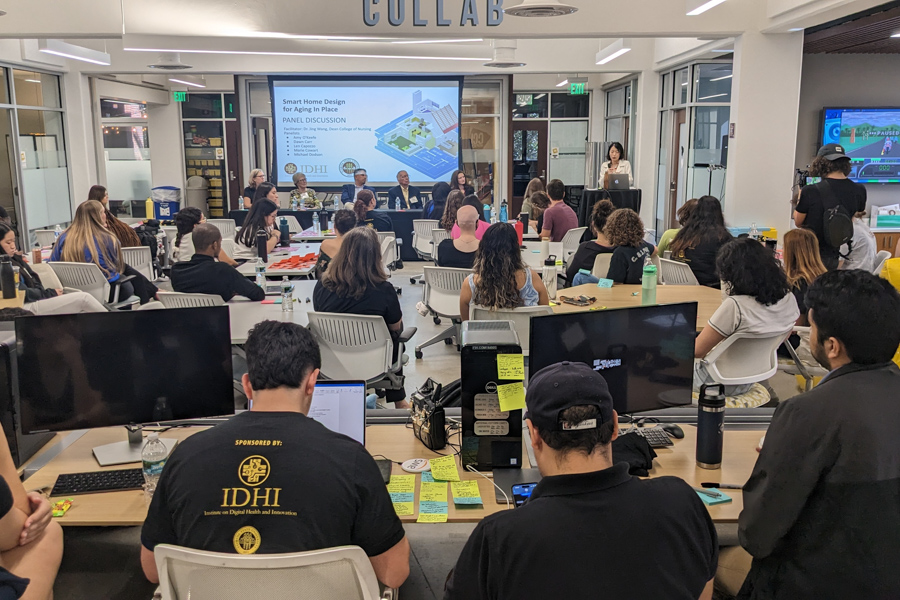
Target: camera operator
[[835, 189]]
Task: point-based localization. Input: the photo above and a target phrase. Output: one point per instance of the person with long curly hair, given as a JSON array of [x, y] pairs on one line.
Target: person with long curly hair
[[454, 201], [697, 243], [588, 251], [625, 231], [758, 302], [500, 278]]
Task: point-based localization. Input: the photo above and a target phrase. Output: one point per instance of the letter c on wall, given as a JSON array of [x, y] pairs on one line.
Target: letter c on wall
[[370, 17]]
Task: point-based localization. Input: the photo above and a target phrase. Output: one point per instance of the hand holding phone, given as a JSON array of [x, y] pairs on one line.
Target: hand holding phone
[[522, 492]]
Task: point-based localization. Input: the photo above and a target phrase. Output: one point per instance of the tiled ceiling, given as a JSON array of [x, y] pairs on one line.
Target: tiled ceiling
[[863, 33]]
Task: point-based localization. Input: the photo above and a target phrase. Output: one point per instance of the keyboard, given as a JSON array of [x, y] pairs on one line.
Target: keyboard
[[70, 484], [656, 437]]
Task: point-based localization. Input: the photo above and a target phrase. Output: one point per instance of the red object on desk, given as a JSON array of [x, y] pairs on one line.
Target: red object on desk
[[518, 227], [293, 262]]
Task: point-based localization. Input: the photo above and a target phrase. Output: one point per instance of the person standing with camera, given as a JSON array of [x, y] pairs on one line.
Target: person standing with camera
[[827, 207]]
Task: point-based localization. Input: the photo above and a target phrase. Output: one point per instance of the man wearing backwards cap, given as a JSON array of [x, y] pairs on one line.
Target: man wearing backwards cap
[[589, 530], [833, 166]]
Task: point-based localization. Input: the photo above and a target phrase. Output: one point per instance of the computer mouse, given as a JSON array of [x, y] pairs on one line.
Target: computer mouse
[[674, 430]]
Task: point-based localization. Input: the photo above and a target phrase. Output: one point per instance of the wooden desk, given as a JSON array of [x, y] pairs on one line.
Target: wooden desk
[[396, 443], [16, 302], [623, 296]]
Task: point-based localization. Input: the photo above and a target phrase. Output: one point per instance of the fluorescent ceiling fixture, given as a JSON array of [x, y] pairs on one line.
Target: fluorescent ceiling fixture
[[192, 81], [33, 81], [795, 29], [613, 51], [713, 96], [698, 7], [562, 83], [721, 78], [539, 96], [459, 41], [290, 36], [60, 48], [312, 54], [724, 51]]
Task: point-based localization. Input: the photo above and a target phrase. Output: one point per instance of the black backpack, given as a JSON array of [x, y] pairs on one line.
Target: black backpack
[[837, 222]]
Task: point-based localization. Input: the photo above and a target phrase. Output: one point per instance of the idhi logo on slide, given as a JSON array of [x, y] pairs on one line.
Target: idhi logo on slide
[[347, 166]]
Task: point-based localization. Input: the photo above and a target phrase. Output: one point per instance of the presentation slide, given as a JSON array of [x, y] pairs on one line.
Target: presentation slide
[[870, 137], [328, 129]]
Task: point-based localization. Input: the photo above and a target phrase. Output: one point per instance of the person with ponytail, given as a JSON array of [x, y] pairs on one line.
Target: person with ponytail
[[367, 216]]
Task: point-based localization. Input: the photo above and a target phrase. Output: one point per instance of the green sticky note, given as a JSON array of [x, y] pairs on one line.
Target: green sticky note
[[511, 366], [511, 396], [605, 283]]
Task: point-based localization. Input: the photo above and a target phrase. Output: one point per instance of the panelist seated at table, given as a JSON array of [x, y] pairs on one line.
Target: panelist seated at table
[[559, 218], [260, 217], [615, 164], [409, 195], [460, 252], [327, 489], [256, 177], [185, 220], [649, 538], [367, 216], [304, 195], [350, 190], [344, 221], [204, 275]]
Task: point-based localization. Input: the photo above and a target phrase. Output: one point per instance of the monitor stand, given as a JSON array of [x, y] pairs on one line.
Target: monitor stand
[[120, 453]]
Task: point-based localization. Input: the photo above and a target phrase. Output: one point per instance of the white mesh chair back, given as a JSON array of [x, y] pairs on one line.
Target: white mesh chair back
[[226, 226], [422, 236], [292, 222], [45, 237], [571, 241], [178, 300], [170, 232], [744, 358], [86, 277], [342, 573], [388, 241], [228, 247], [673, 272], [880, 259], [437, 236], [601, 265], [520, 317], [442, 287], [140, 259], [352, 346]]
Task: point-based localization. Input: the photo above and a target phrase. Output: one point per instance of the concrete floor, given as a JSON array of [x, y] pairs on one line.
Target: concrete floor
[[104, 562]]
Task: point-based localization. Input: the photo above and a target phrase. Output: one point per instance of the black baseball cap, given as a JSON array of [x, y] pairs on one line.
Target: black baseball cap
[[831, 152], [563, 385]]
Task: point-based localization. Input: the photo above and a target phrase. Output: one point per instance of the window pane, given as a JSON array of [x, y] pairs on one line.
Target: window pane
[[615, 102], [260, 102], [36, 89], [627, 99], [518, 146], [570, 138], [530, 106], [614, 130], [563, 106], [126, 149], [116, 109], [713, 82], [45, 177], [709, 146], [4, 92], [202, 106], [682, 86], [481, 98], [531, 145]]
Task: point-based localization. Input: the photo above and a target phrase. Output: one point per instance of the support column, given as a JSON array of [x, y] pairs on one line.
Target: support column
[[646, 137]]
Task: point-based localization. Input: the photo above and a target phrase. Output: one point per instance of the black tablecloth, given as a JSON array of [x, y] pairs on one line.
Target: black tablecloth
[[304, 217], [620, 198]]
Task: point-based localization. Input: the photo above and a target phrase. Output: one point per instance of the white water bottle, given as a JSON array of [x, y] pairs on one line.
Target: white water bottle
[[754, 232], [153, 459], [240, 203], [57, 232], [397, 203], [493, 214], [337, 204], [260, 273], [287, 295], [548, 275], [316, 226]]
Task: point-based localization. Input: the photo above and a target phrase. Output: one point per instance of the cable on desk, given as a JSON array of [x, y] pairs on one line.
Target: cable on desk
[[474, 470]]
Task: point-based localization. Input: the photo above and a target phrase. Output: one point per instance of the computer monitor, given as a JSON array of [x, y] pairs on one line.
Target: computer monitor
[[645, 353]]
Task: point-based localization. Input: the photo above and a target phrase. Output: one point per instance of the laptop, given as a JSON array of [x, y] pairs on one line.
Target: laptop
[[618, 181]]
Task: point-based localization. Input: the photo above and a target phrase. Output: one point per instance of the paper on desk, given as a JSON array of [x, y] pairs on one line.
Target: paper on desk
[[511, 366], [465, 492], [511, 396], [709, 501], [433, 492], [433, 503], [427, 477], [402, 489], [444, 469], [605, 283], [404, 509]]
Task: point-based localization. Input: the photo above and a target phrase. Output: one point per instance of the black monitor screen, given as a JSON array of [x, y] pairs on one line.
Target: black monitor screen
[[645, 353], [102, 369]]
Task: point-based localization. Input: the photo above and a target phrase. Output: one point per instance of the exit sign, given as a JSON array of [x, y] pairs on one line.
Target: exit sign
[[577, 89], [179, 96]]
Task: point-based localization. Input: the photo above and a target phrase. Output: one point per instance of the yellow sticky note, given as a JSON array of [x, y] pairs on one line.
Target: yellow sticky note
[[402, 484], [404, 509], [465, 489], [433, 492], [511, 366], [432, 518], [444, 468], [511, 396]]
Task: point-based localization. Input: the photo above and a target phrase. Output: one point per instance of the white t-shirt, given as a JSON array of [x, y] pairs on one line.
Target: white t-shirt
[[743, 314], [862, 249], [184, 250]]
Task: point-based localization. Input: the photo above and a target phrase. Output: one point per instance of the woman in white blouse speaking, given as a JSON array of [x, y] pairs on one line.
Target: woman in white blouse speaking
[[615, 164]]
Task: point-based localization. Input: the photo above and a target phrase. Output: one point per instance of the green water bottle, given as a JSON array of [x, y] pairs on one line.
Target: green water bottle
[[648, 284]]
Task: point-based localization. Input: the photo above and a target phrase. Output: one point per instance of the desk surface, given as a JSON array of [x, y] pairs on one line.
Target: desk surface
[[248, 269], [397, 443], [623, 296], [245, 314], [531, 253]]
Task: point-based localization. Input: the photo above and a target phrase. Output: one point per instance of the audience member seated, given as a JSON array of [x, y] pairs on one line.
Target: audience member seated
[[482, 224], [295, 454], [454, 201], [344, 221], [682, 214], [860, 254], [587, 252], [185, 221], [350, 191], [698, 242], [356, 283], [434, 208], [122, 231], [625, 231], [203, 274], [409, 195], [38, 299], [460, 182], [304, 196], [367, 216], [558, 218], [88, 241], [261, 217], [802, 266], [4, 216], [534, 186], [266, 191], [758, 302], [647, 538], [460, 252], [257, 176], [540, 202], [821, 510], [500, 278]]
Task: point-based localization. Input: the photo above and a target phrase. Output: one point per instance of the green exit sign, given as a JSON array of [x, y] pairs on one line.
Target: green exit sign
[[179, 96], [577, 89]]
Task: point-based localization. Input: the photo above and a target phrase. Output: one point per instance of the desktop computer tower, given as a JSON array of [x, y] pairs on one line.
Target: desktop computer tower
[[21, 446], [490, 438]]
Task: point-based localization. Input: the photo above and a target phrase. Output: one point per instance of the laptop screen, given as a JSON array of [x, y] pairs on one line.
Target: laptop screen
[[341, 407]]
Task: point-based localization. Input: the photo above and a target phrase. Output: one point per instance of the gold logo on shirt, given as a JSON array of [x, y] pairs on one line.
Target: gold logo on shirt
[[247, 540], [254, 470]]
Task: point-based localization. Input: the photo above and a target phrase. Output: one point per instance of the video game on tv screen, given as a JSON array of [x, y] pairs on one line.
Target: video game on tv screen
[[870, 137]]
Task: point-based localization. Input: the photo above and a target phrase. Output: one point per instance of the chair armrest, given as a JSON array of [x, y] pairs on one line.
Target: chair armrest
[[407, 334], [123, 279]]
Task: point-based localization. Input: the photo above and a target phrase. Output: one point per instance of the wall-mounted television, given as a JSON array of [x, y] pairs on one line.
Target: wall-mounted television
[[870, 137]]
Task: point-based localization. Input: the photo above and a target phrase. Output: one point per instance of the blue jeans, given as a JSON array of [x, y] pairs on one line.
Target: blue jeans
[[582, 278]]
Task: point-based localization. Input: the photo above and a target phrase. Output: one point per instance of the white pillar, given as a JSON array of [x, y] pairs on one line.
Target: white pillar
[[166, 143], [765, 99], [646, 132]]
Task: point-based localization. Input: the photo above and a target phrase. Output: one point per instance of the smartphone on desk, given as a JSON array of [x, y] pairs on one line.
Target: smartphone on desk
[[522, 492]]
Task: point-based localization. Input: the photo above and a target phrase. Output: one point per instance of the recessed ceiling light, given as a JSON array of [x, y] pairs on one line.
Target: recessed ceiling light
[[33, 80], [613, 51], [713, 96], [562, 83], [698, 7], [540, 8], [188, 80], [60, 48], [793, 29], [460, 41], [310, 54]]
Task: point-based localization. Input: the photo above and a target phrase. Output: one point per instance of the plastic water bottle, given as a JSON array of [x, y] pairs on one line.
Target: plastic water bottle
[[240, 203], [648, 283], [153, 457], [260, 273], [57, 232], [397, 204], [293, 202], [337, 204], [287, 295], [316, 226], [754, 233], [487, 212], [503, 212], [493, 214]]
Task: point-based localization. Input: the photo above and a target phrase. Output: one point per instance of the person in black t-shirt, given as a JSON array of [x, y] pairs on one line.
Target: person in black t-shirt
[[356, 283], [644, 538], [625, 231], [367, 216], [204, 275], [460, 253], [588, 251], [272, 480], [833, 166], [698, 242]]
